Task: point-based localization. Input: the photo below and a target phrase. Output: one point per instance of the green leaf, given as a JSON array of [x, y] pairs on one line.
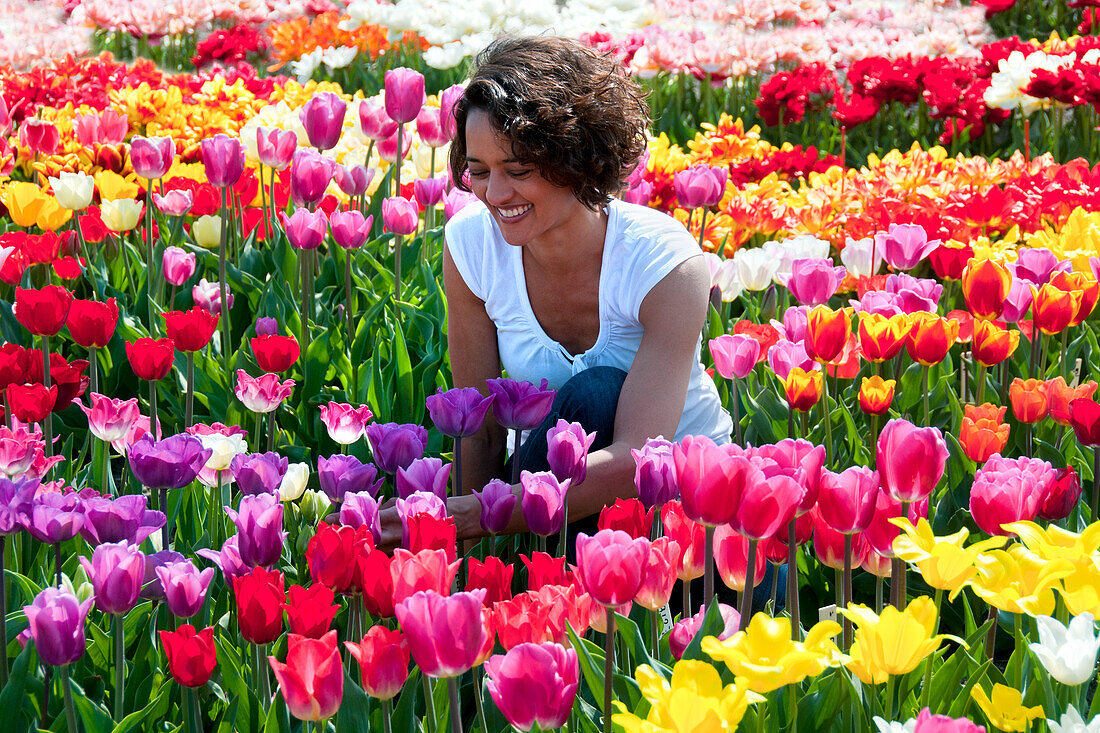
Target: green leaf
[[11, 698], [355, 708], [140, 719]]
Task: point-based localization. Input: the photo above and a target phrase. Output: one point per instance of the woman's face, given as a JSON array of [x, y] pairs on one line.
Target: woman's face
[[525, 205]]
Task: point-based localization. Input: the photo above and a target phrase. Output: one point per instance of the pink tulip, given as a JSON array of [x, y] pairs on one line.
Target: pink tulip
[[659, 575], [117, 572], [684, 631], [534, 684], [387, 147], [310, 175], [179, 265], [102, 128], [404, 94], [641, 193], [312, 679], [846, 500], [905, 245], [174, 203], [711, 481], [700, 185], [731, 556], [448, 98], [349, 229], [345, 423], [429, 191], [611, 565], [305, 229], [911, 460], [208, 297], [429, 126], [446, 633], [734, 356], [40, 136], [881, 532], [223, 157], [567, 451], [427, 570], [151, 157], [354, 180], [455, 201], [383, 657], [928, 723], [543, 502], [323, 119], [110, 419], [1008, 490], [767, 504], [184, 587], [374, 122], [800, 459], [264, 393], [813, 281], [399, 215], [786, 355], [274, 147]]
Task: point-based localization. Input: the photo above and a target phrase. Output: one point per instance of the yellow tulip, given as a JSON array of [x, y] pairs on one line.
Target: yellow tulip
[[112, 186], [1055, 543], [121, 215], [1018, 581], [1006, 710], [1081, 587], [895, 642], [943, 562], [207, 231], [24, 200], [767, 658], [695, 701], [52, 215]]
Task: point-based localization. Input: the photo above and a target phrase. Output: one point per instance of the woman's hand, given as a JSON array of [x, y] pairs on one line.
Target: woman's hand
[[465, 510]]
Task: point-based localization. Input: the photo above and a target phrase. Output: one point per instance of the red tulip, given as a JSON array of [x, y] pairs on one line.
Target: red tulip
[[543, 569], [628, 515], [731, 555], [31, 403], [311, 610], [14, 363], [275, 353], [426, 570], [611, 565], [150, 358], [43, 311], [191, 656], [521, 620], [41, 136], [383, 657], [312, 679], [846, 501], [492, 575], [333, 555], [1084, 418], [1061, 496], [376, 583], [689, 535], [659, 575], [67, 376], [190, 330], [259, 595], [911, 460], [91, 324], [427, 532]]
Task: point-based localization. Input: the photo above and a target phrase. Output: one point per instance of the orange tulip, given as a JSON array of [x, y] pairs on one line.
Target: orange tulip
[[1061, 395], [803, 388], [992, 343], [1083, 283], [876, 395], [1053, 309], [985, 285], [983, 431], [1029, 399], [882, 337], [930, 338], [827, 332]]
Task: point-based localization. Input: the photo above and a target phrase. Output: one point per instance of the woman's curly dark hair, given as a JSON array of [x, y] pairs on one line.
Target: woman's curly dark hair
[[567, 110]]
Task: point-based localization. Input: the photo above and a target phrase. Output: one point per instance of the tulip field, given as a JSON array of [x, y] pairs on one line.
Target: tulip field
[[225, 378]]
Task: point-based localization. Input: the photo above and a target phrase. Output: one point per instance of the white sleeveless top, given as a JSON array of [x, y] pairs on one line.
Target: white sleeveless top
[[642, 247]]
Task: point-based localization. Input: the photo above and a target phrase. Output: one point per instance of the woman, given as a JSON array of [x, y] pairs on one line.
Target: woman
[[552, 278]]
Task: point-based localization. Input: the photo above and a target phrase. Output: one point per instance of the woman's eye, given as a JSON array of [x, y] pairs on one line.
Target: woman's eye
[[478, 174], [520, 174]]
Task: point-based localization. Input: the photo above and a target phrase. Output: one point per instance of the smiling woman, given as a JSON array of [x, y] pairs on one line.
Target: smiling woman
[[552, 278]]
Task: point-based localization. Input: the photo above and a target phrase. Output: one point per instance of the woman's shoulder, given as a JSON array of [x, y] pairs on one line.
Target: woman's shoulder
[[645, 228], [472, 219]]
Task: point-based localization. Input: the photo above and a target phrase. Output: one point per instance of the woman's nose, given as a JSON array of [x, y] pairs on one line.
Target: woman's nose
[[498, 190]]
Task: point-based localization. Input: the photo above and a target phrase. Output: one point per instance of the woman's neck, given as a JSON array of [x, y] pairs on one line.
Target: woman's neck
[[566, 250]]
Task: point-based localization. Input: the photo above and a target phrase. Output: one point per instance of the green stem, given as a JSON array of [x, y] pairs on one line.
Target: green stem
[[981, 384], [609, 663], [455, 705], [397, 242], [792, 581], [3, 613], [926, 692], [1018, 633], [736, 411], [891, 682], [847, 585], [66, 687], [189, 412], [750, 578], [387, 713], [428, 701], [222, 286], [924, 389], [708, 568], [120, 668]]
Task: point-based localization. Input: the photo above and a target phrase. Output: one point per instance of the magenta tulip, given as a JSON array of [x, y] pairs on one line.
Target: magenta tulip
[[350, 229], [354, 180], [911, 460], [429, 191], [305, 229], [151, 157], [274, 147], [446, 634], [404, 94], [310, 175], [734, 356], [813, 281], [700, 185], [264, 393], [904, 246], [117, 572], [611, 565], [184, 587], [399, 215], [374, 122], [179, 265], [323, 119], [846, 500], [711, 481], [543, 502], [345, 423], [1009, 490], [659, 575], [110, 419], [567, 451], [534, 684], [223, 157]]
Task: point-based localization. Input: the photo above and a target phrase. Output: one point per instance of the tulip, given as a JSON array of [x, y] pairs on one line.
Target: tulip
[[121, 215], [428, 192], [983, 431], [207, 296], [542, 570], [911, 460], [567, 451], [861, 257], [383, 657], [294, 482], [826, 333], [260, 533], [223, 158], [520, 405], [458, 412], [374, 122], [171, 463], [993, 344], [151, 359], [1082, 283], [497, 504], [767, 503], [1029, 399], [345, 424], [881, 338], [275, 353], [354, 180], [534, 684], [360, 509], [184, 587], [430, 127], [305, 229], [611, 565], [493, 576], [333, 554], [803, 389], [40, 136], [73, 190], [455, 201], [191, 656], [847, 500], [350, 229], [659, 574], [262, 394], [427, 531], [1071, 722], [310, 611], [1005, 710], [56, 620], [31, 403], [894, 642], [700, 186], [404, 96], [190, 330], [312, 679], [117, 571], [151, 157], [110, 419], [322, 117], [813, 281], [710, 480], [274, 147], [905, 245], [985, 285], [1061, 495], [310, 175], [445, 633], [376, 584], [876, 395], [207, 231], [543, 502], [259, 597], [42, 311], [930, 338], [339, 475], [54, 518], [423, 474], [1067, 653], [400, 215], [628, 515], [179, 265], [655, 473], [1061, 396], [731, 556], [1018, 302], [396, 446], [734, 356], [1053, 309], [1006, 491], [174, 203]]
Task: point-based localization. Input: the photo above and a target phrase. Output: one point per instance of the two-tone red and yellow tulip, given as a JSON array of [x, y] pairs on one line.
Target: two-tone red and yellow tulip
[[930, 338], [827, 332], [876, 395], [803, 389], [1053, 309], [985, 285], [993, 343], [882, 337]]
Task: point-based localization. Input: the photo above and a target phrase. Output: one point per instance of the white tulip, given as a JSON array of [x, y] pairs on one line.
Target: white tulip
[[1068, 654], [755, 268], [73, 190], [857, 257], [224, 448], [1072, 722], [294, 481]]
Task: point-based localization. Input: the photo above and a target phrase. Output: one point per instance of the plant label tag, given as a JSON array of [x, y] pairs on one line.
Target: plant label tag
[[827, 613], [666, 620]]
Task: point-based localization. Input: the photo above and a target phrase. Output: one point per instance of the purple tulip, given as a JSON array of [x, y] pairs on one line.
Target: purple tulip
[[124, 518], [258, 473], [341, 475], [905, 245], [543, 502], [56, 621], [151, 157], [310, 174], [458, 412], [813, 281], [184, 587], [1018, 301], [16, 503], [323, 119], [223, 157], [497, 503], [420, 502], [228, 560], [55, 518], [567, 451], [520, 405], [1037, 264], [266, 326], [404, 94], [152, 589], [396, 446], [171, 463], [260, 533], [117, 572], [655, 474], [360, 509], [424, 474]]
